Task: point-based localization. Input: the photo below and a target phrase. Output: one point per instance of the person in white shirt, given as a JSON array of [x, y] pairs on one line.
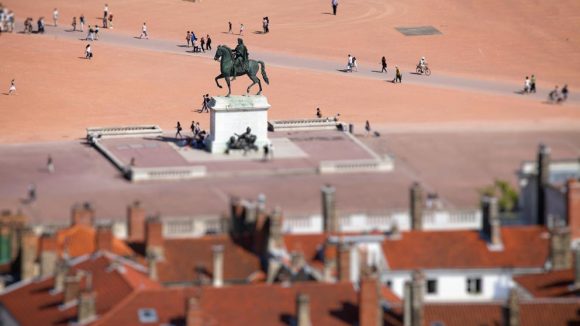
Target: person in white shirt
[[12, 88], [88, 52], [349, 64], [241, 29], [144, 31], [55, 16], [527, 85]]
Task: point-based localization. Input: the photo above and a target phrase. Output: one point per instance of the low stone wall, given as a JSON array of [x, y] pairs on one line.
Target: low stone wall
[[350, 166], [166, 173], [123, 131], [302, 124]]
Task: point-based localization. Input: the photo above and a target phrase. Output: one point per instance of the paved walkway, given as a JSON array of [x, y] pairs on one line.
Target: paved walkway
[[293, 61]]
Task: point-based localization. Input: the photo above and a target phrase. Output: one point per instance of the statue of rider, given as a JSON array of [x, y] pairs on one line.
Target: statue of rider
[[241, 57]]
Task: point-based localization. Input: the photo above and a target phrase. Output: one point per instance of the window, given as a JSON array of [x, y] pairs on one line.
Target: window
[[431, 286], [389, 284], [474, 285], [147, 315]]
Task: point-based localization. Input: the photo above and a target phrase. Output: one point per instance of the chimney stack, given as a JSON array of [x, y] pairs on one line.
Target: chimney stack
[[303, 310], [86, 310], [61, 271], [83, 215], [369, 301], [154, 237], [48, 254], [543, 164], [577, 267], [329, 217], [343, 262], [513, 309], [275, 240], [194, 313], [218, 265], [136, 222], [104, 238], [560, 248], [490, 221], [152, 266], [72, 287], [28, 251], [416, 201], [573, 207], [413, 296]]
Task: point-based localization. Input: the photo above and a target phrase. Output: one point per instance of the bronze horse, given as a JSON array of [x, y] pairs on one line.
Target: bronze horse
[[226, 57]]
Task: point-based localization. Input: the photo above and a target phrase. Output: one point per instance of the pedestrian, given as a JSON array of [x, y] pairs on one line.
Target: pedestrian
[[229, 27], [82, 22], [266, 152], [398, 77], [91, 34], [334, 6], [96, 32], [192, 127], [318, 114], [106, 11], [384, 64], [178, 128], [88, 52], [565, 92], [144, 31], [241, 29], [188, 38], [527, 85], [264, 22], [104, 22], [12, 88], [368, 127], [111, 21], [55, 15], [203, 104], [74, 24], [31, 192], [50, 164], [202, 43], [554, 95], [533, 84], [354, 64], [349, 63], [208, 42], [267, 24], [40, 24]]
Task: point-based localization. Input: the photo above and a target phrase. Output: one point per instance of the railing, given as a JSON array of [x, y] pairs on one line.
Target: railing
[[138, 130], [302, 124]]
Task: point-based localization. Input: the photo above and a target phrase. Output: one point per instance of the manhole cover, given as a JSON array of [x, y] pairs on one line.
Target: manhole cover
[[421, 30]]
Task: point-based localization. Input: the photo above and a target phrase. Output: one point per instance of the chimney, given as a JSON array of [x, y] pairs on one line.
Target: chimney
[[6, 237], [560, 248], [275, 240], [343, 262], [490, 221], [329, 217], [513, 309], [250, 213], [416, 201], [61, 271], [152, 266], [136, 222], [302, 310], [104, 238], [413, 296], [297, 261], [193, 312], [154, 237], [542, 181], [83, 215], [369, 301], [72, 287], [86, 310], [218, 265], [48, 254], [577, 267], [573, 207], [28, 252]]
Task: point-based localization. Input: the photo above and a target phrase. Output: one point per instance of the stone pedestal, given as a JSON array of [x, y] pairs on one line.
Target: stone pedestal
[[232, 115]]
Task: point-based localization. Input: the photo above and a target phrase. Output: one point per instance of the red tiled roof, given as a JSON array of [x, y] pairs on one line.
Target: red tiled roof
[[79, 240], [522, 247], [330, 304], [33, 303], [182, 256], [550, 284]]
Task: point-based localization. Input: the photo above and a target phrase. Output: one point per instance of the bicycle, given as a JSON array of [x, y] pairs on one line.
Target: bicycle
[[421, 70]]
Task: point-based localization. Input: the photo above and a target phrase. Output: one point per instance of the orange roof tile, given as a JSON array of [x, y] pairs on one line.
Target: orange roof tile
[[526, 246], [550, 284], [80, 240], [33, 303]]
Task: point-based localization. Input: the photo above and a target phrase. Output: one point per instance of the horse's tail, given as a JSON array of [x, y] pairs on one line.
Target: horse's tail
[[263, 66]]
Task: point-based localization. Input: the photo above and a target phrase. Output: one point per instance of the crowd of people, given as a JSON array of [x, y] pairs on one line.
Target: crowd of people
[[204, 43], [6, 20]]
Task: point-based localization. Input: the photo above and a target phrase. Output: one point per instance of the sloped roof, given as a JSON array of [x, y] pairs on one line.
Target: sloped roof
[[550, 284], [80, 240]]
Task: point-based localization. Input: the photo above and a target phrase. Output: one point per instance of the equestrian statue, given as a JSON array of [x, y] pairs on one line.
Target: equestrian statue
[[235, 63]]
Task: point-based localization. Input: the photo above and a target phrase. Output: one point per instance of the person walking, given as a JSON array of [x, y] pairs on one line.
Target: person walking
[[178, 127], [354, 64], [88, 52], [12, 88], [368, 128], [527, 85], [208, 42], [90, 35], [229, 27], [267, 24], [349, 64], [106, 11], [565, 92], [318, 113], [334, 6], [384, 64], [533, 84], [55, 15], [202, 43], [188, 38], [50, 164], [192, 127], [241, 29], [96, 32], [74, 24], [111, 21], [398, 76], [31, 192], [144, 31], [82, 22]]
